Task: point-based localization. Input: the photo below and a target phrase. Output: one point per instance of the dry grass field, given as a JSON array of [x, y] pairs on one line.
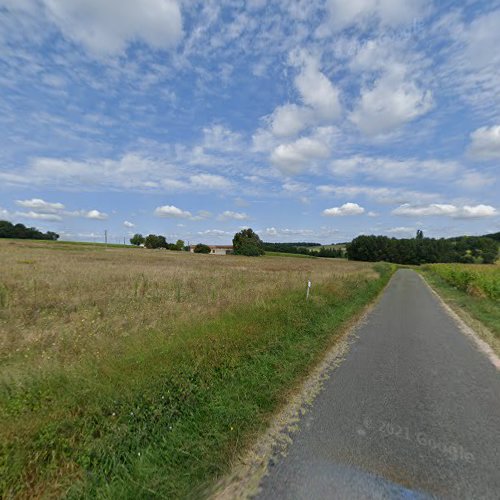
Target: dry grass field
[[132, 373], [59, 301]]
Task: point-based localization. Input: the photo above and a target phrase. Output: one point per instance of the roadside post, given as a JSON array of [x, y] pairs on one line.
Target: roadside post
[[308, 289]]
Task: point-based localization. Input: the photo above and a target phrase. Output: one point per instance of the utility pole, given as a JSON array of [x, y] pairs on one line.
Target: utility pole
[[106, 237]]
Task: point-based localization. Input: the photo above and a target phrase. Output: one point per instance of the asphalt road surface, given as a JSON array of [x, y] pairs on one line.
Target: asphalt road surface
[[412, 412]]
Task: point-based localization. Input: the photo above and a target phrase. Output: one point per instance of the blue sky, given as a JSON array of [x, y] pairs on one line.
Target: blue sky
[[307, 120]]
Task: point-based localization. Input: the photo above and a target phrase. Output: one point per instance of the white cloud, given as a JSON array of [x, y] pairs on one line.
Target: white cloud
[[471, 70], [228, 214], [389, 104], [95, 214], [128, 224], [220, 138], [40, 205], [473, 179], [345, 209], [171, 211], [401, 230], [485, 143], [449, 210], [290, 119], [392, 13], [39, 216], [394, 169], [291, 158], [132, 171], [210, 181], [108, 27], [380, 194], [316, 90], [273, 232]]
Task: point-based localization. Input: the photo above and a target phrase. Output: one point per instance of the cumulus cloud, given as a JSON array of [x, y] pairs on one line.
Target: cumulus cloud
[[449, 210], [107, 27], [95, 214], [345, 209], [485, 143], [290, 119], [292, 157], [228, 214], [316, 90], [171, 211], [128, 224], [40, 205], [390, 103]]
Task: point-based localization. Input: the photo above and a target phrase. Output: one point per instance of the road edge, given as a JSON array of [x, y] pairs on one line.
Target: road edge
[[466, 329], [243, 481]]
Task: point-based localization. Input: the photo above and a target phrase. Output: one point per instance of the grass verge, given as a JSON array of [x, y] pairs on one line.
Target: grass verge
[[164, 417], [479, 312]]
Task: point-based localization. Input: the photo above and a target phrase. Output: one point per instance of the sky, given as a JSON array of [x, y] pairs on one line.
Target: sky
[[307, 120]]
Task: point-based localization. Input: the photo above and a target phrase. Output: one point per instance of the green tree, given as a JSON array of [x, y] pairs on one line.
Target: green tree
[[155, 241], [137, 239], [202, 248], [180, 244], [247, 242]]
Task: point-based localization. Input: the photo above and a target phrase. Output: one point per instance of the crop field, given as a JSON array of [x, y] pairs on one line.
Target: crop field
[[129, 373], [476, 280], [473, 288]]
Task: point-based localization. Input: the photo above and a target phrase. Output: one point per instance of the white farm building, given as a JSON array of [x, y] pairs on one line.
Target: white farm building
[[217, 249]]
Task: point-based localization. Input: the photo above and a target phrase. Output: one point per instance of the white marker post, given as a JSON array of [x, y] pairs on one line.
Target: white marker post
[[308, 288]]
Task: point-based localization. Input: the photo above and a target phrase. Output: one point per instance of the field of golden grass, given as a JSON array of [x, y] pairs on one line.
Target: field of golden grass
[[59, 301], [133, 373]]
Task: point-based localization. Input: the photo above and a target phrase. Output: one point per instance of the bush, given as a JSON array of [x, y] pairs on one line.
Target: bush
[[202, 248]]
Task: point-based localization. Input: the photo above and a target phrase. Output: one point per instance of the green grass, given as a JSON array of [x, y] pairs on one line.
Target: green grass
[[480, 307], [166, 416], [283, 254]]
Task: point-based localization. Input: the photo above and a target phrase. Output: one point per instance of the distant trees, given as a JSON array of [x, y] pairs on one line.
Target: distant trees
[[179, 245], [137, 239], [247, 242], [202, 248], [420, 250], [155, 241], [304, 248], [9, 230]]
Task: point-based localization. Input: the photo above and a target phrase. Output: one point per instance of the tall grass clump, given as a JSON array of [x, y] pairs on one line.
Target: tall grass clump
[[157, 406]]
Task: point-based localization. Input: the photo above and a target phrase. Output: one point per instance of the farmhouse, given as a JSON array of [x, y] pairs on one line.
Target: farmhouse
[[217, 249]]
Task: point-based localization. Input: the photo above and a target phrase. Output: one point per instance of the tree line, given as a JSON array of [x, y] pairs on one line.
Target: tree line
[[305, 248], [420, 250], [9, 230], [157, 241]]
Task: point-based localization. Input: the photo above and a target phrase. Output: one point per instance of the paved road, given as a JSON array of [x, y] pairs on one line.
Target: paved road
[[412, 412]]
